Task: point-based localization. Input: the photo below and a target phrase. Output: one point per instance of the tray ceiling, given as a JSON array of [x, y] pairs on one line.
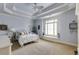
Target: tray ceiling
[[29, 9]]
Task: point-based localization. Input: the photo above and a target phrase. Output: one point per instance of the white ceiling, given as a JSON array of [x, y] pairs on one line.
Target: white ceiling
[[27, 10], [24, 9]]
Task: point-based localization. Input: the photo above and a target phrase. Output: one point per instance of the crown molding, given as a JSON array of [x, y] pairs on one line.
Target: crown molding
[[43, 8], [12, 12], [53, 9], [77, 9], [14, 9], [56, 14]]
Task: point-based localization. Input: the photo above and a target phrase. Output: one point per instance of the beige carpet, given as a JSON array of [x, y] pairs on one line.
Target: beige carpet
[[45, 48]]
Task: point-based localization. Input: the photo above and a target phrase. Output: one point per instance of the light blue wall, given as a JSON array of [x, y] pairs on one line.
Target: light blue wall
[[19, 23], [63, 26], [36, 23]]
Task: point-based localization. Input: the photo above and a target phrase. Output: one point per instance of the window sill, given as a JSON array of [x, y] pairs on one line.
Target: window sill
[[50, 36], [57, 40]]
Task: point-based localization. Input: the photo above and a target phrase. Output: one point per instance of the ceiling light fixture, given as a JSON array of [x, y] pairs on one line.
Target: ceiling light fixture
[[37, 7]]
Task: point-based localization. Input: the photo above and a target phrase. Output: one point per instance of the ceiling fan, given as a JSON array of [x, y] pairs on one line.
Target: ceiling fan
[[37, 7]]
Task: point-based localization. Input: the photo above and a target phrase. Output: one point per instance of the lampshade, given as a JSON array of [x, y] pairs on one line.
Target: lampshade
[[12, 29]]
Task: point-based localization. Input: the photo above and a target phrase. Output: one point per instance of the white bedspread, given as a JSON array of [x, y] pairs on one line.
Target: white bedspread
[[28, 38]]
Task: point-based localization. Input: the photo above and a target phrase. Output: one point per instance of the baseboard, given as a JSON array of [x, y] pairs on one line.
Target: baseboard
[[59, 41]]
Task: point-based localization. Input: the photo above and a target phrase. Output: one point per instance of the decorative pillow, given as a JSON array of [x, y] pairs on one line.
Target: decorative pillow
[[22, 33], [10, 33]]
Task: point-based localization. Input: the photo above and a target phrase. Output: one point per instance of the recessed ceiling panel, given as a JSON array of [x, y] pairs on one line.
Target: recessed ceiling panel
[[27, 7]]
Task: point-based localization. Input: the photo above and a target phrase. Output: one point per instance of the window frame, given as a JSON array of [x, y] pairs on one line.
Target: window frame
[[46, 23]]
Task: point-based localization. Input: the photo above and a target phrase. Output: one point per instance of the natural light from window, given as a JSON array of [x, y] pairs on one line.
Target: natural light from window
[[51, 27]]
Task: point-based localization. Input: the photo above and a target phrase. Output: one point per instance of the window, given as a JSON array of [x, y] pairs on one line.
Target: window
[[51, 27]]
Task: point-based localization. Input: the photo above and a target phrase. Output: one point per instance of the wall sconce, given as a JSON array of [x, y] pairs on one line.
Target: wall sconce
[[73, 25]]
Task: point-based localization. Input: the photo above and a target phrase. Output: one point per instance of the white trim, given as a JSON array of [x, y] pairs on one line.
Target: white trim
[[10, 50], [56, 14], [48, 6], [10, 12], [44, 8], [77, 9], [58, 41], [77, 13], [53, 9], [20, 11]]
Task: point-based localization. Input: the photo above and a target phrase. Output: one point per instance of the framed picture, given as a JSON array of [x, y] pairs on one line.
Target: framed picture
[[73, 26], [3, 27]]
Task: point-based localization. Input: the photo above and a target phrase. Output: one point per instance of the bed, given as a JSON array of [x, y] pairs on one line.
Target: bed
[[27, 38]]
